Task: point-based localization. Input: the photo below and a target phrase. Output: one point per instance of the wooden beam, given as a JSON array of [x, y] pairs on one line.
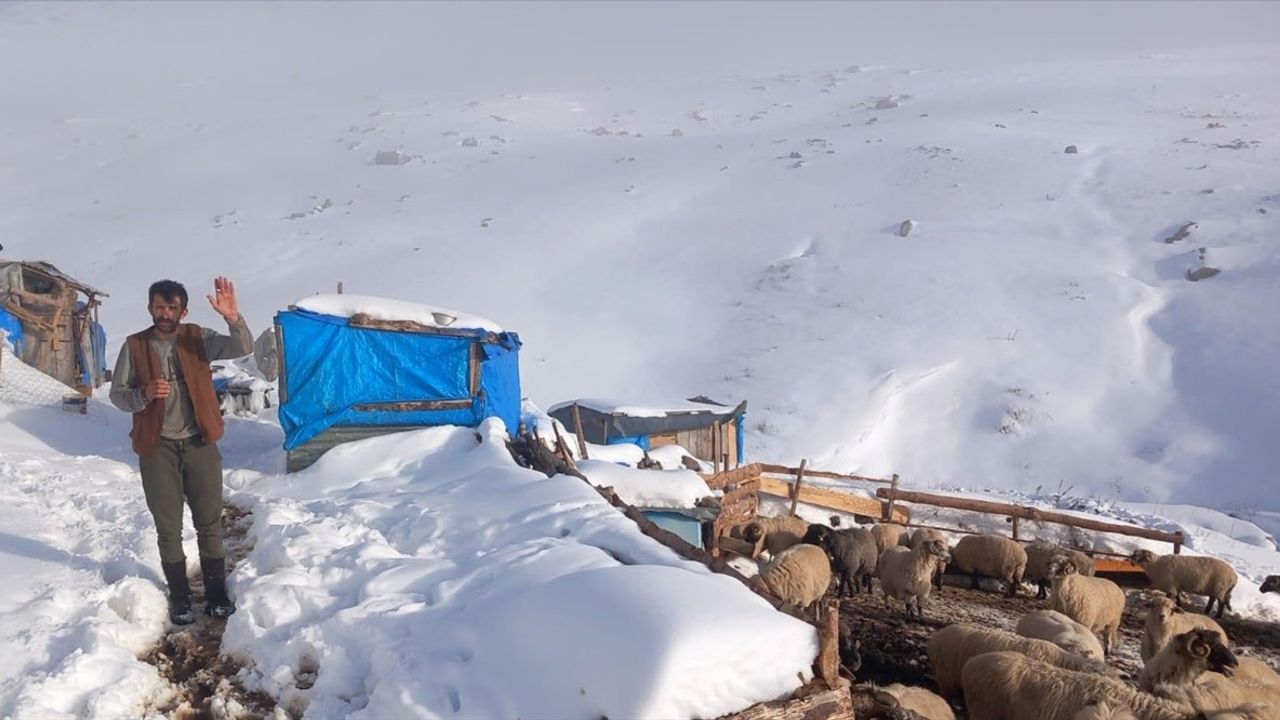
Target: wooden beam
[[1027, 513], [719, 481], [577, 430], [784, 470], [831, 499], [795, 489], [827, 704]]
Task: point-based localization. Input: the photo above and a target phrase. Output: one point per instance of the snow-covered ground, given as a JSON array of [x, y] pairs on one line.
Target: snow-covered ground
[[723, 217]]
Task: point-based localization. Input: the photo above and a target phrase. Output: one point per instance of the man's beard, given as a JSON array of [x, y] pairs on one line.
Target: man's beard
[[166, 326]]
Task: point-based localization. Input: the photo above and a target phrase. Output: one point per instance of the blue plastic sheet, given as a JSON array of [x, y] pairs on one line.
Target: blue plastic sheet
[[13, 327], [339, 375]]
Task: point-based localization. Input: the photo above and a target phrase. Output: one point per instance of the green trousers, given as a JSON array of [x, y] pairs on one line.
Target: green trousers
[[189, 469]]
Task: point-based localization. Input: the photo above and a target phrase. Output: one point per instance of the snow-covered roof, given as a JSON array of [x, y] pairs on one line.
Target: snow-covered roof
[[380, 308], [650, 409]]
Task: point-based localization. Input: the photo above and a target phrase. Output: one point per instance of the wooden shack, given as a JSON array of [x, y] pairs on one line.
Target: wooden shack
[[52, 321], [709, 430]]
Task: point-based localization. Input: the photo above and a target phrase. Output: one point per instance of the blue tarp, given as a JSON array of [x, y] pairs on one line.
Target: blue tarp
[[13, 327], [336, 374]]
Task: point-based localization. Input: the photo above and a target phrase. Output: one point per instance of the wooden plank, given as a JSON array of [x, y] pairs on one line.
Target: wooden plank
[[1026, 513], [824, 705], [282, 385], [795, 489], [1116, 565], [579, 432], [784, 470], [831, 499], [719, 481], [411, 406], [363, 320]]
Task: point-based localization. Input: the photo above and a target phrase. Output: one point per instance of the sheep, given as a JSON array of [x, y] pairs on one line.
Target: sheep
[[1164, 620], [1254, 671], [798, 575], [1096, 603], [993, 556], [1061, 631], [906, 574], [1038, 556], [1103, 711], [954, 645], [1176, 574], [1185, 657], [1271, 584], [778, 533], [852, 552], [1185, 671], [888, 535], [1012, 686], [923, 535], [917, 700]]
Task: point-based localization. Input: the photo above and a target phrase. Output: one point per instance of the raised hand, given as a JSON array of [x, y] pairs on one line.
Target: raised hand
[[224, 300]]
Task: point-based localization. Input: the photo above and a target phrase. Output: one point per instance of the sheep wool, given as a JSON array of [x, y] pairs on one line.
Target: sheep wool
[[888, 535], [1186, 671], [799, 575], [1197, 575], [1040, 553], [1096, 603], [922, 702], [950, 648], [1060, 630], [1164, 620], [907, 574], [782, 532], [991, 556]]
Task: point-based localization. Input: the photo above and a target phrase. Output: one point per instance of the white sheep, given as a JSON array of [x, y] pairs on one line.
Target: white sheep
[[778, 533], [992, 556], [1096, 603], [1039, 554], [907, 573], [1060, 630], [888, 535], [918, 700], [1185, 671], [1103, 711], [1165, 619], [954, 645], [1012, 686], [1198, 575], [922, 535], [1253, 670], [798, 575]]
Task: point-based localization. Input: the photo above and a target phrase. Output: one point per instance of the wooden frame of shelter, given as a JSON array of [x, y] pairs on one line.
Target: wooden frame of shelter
[[710, 433], [55, 333]]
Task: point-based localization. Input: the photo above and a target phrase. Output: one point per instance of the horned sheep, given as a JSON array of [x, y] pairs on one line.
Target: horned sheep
[[1060, 630], [907, 573], [917, 700], [798, 575], [992, 556], [1184, 672], [1096, 603], [950, 648], [1012, 686], [852, 552], [1038, 556], [1198, 575], [1164, 620]]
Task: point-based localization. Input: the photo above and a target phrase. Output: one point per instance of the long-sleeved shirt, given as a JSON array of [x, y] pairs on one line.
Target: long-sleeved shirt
[[179, 414]]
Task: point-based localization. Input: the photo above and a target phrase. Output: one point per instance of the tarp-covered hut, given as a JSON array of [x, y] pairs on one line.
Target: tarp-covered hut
[[354, 366], [709, 430], [52, 321]]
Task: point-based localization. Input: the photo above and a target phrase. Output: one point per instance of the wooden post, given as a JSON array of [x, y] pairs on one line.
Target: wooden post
[[795, 491], [715, 447], [577, 430], [888, 507], [827, 665], [1015, 526], [1177, 544], [339, 287]]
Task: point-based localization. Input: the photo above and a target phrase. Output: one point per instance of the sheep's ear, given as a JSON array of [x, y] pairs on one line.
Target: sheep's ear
[[1177, 609]]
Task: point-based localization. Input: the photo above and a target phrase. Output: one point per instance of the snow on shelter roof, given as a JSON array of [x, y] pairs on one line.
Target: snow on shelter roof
[[661, 409], [379, 308]]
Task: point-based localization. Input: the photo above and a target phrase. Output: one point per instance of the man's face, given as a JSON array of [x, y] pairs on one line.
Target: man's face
[[166, 313]]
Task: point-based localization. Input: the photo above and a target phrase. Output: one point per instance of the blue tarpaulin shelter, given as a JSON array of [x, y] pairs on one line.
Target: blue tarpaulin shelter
[[346, 378]]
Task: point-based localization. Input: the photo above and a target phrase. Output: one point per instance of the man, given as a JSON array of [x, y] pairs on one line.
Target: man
[[163, 378]]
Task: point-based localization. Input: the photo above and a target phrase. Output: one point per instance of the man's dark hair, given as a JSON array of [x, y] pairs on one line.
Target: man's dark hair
[[169, 290]]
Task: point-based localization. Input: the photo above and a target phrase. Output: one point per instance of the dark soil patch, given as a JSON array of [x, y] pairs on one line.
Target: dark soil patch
[[190, 657]]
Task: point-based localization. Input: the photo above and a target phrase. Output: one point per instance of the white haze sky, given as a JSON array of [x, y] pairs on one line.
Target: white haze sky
[[474, 48]]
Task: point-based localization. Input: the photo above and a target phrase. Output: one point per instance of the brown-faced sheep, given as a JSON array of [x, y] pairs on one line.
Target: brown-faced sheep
[[1271, 584], [1039, 554], [1186, 671], [992, 556], [798, 575], [1186, 657], [1012, 686], [954, 645], [1096, 603], [778, 533], [888, 535], [922, 702], [853, 556], [1164, 620], [907, 573], [1198, 575], [922, 535], [1060, 630], [1103, 711]]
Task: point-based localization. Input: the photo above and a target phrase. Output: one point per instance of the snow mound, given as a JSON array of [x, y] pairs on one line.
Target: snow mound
[[379, 308], [647, 488]]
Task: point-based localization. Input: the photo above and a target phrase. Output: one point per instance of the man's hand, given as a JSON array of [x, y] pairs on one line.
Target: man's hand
[[224, 300], [158, 388]]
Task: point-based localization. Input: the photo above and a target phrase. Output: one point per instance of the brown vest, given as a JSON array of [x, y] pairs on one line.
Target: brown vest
[[189, 345]]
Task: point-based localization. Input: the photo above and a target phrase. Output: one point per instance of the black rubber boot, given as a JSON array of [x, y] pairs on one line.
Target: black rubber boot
[[216, 602], [175, 574]]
